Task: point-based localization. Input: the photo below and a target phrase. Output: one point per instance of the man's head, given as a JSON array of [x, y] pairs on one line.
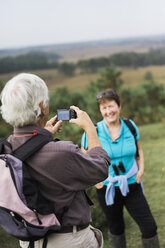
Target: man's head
[[24, 100]]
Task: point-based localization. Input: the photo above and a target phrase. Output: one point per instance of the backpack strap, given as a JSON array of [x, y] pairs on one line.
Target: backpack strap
[[31, 146], [4, 142], [31, 244], [133, 131], [45, 242]]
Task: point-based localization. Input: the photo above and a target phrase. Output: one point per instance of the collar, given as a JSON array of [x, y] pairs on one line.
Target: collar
[[107, 131], [30, 131]]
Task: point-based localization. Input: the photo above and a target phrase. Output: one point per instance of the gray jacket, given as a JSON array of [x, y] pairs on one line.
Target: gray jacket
[[63, 172]]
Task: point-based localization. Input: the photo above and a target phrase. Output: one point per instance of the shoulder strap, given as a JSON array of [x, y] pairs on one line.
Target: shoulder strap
[[31, 146], [4, 142], [133, 131]]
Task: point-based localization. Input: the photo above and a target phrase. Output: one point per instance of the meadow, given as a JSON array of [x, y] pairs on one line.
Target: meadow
[[130, 76]]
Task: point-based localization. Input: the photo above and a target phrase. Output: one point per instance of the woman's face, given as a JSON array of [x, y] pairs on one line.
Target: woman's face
[[110, 111]]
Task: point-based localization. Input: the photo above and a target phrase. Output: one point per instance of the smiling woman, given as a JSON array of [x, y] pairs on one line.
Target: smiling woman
[[110, 111], [125, 174]]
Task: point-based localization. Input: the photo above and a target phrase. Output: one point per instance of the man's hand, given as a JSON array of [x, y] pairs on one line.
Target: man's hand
[[53, 125], [83, 120]]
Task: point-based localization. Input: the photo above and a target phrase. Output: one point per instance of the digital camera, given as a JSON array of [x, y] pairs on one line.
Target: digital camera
[[66, 114]]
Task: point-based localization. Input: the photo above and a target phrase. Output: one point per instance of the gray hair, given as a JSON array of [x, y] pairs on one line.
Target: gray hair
[[20, 99]]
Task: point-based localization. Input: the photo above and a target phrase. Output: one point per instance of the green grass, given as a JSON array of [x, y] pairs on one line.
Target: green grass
[[132, 77], [153, 144]]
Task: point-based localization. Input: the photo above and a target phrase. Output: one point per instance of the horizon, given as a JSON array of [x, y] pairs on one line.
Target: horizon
[[112, 40]]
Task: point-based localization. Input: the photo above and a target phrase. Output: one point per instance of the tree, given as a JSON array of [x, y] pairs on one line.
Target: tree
[[67, 69], [148, 76], [110, 78]]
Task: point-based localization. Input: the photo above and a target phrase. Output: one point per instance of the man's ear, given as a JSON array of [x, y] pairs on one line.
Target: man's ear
[[42, 108]]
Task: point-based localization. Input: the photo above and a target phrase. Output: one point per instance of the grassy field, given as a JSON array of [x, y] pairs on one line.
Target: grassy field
[[133, 76], [153, 144], [130, 76]]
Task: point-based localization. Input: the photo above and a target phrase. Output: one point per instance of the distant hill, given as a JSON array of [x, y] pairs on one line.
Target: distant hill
[[85, 50]]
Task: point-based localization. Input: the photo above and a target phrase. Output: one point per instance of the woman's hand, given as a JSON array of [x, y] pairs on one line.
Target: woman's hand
[[99, 185], [139, 176], [53, 125], [140, 162]]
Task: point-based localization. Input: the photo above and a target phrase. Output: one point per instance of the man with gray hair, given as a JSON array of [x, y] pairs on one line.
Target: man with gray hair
[[61, 169]]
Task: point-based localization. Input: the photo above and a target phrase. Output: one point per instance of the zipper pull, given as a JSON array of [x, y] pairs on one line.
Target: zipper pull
[[36, 214], [6, 160], [24, 223], [13, 217]]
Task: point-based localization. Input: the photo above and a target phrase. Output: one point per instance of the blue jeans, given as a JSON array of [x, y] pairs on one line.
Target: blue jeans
[[137, 206]]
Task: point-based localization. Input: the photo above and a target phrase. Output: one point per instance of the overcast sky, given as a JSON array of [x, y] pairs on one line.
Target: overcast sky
[[41, 22]]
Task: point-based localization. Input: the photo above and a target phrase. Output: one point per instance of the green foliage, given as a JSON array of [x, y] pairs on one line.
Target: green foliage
[[123, 59], [70, 132], [92, 65], [148, 76], [63, 98], [127, 59], [5, 129], [144, 103], [110, 78], [153, 57], [44, 60], [29, 61], [67, 69]]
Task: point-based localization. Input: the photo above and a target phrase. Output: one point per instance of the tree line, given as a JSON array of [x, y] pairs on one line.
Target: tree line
[[29, 61], [43, 60], [144, 103]]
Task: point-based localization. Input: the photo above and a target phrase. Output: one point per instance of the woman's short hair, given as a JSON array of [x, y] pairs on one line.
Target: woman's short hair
[[108, 95], [20, 99]]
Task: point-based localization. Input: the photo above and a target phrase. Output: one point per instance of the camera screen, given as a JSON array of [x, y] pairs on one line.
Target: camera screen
[[63, 115]]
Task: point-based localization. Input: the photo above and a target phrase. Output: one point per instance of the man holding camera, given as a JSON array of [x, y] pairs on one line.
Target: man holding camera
[[61, 169]]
